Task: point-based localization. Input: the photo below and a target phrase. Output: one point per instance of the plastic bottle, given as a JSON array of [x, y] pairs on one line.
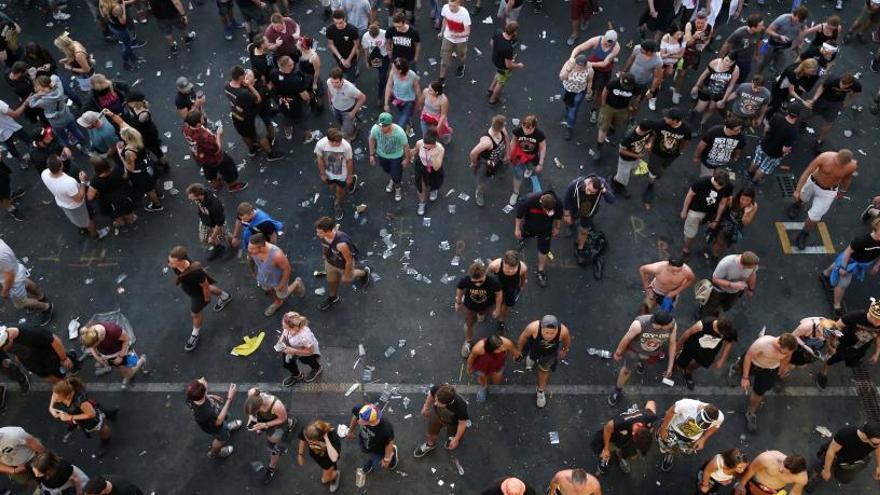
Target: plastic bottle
[[360, 478], [601, 353]]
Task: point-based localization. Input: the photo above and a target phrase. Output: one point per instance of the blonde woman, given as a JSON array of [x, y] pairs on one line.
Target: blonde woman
[[77, 60], [110, 345], [298, 343], [70, 404], [137, 114], [267, 415], [133, 154], [114, 14], [106, 95], [325, 447]]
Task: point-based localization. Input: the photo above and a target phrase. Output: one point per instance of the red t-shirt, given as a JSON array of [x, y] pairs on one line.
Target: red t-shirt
[[203, 145], [111, 343], [288, 39]]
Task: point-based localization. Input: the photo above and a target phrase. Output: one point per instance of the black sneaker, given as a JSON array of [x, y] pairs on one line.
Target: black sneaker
[[367, 468], [24, 386], [328, 303], [221, 303], [602, 467], [542, 278], [689, 381], [268, 475], [614, 397], [368, 277], [499, 328], [16, 215], [153, 207], [138, 43], [801, 240], [173, 48], [394, 459], [875, 65], [216, 251], [569, 133], [46, 316], [2, 397], [821, 380], [17, 194], [668, 462], [191, 343], [313, 375], [459, 73], [274, 156], [354, 184], [189, 38], [292, 380], [252, 152], [640, 368], [594, 116], [581, 257]]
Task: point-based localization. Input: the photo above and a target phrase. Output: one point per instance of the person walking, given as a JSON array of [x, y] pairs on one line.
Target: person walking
[[200, 287], [845, 455], [389, 148], [70, 404], [734, 276], [267, 415], [271, 269], [513, 274], [35, 350], [488, 156], [686, 428], [207, 151], [767, 359], [539, 215], [721, 470], [445, 409], [402, 90], [544, 342], [454, 32], [340, 260], [110, 345], [375, 437], [643, 344], [577, 81], [346, 101], [211, 413], [476, 294], [70, 196], [298, 343], [427, 159], [336, 167], [702, 343], [625, 436], [212, 219], [503, 55], [19, 288], [486, 360], [325, 448]]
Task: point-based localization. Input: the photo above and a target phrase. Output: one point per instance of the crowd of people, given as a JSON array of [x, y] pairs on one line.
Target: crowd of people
[[94, 143]]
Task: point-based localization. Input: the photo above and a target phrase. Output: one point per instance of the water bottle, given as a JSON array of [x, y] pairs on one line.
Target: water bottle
[[388, 352], [360, 478], [601, 353], [386, 394]]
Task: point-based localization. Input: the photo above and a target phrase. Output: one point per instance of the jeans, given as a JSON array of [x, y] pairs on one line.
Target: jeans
[[435, 10], [383, 74], [70, 134], [392, 167], [571, 112], [124, 37], [406, 112], [346, 121], [352, 72]]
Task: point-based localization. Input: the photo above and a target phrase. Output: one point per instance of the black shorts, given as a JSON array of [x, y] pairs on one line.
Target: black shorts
[[849, 355], [5, 182], [196, 305], [704, 96], [510, 296], [658, 164], [545, 362], [704, 358], [226, 169], [827, 110], [585, 223], [801, 357], [294, 114], [324, 460], [763, 379], [143, 181], [246, 128], [543, 241]]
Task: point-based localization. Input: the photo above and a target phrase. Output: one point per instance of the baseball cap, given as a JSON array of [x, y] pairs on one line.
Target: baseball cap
[[662, 317], [549, 321], [581, 60], [369, 413], [610, 36], [672, 113], [183, 84], [4, 335], [385, 119], [871, 429], [88, 119], [135, 95], [794, 108]]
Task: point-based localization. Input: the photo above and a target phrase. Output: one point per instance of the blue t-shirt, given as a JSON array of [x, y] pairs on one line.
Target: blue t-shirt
[[103, 138]]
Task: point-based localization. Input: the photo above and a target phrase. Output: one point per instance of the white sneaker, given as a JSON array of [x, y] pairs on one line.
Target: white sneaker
[[390, 186], [513, 198], [652, 104], [60, 16], [540, 399], [527, 173], [529, 363], [676, 97], [398, 195], [433, 195], [421, 209]]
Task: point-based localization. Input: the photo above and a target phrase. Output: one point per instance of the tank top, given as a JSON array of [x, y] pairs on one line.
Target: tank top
[[509, 282], [432, 105], [75, 408], [496, 152], [649, 341], [541, 347], [576, 82], [305, 64], [429, 157], [115, 23], [331, 249], [676, 48], [268, 275], [140, 161], [267, 416], [599, 55], [402, 88], [717, 82], [719, 475], [491, 362], [75, 64], [821, 37]]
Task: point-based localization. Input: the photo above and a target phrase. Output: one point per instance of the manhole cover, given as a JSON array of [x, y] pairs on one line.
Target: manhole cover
[[786, 184], [867, 393]]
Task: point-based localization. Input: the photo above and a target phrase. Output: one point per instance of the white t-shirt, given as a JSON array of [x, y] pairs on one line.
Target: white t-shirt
[[684, 420], [62, 188], [14, 451], [8, 125], [368, 43], [335, 158], [457, 23], [344, 98]]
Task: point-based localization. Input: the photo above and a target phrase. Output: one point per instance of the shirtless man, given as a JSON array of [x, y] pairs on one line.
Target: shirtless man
[[771, 472], [766, 360], [670, 279], [574, 482], [827, 178], [513, 275]]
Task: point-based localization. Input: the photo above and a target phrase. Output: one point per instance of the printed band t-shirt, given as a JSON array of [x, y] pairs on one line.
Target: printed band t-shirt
[[479, 297], [720, 147], [335, 158]]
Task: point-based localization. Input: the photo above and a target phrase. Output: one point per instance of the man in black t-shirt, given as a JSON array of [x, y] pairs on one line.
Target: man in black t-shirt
[[846, 454], [171, 15], [291, 88], [187, 100], [403, 40], [835, 94], [109, 484], [700, 345], [375, 436], [212, 219], [861, 257], [626, 435], [720, 147], [444, 408], [780, 134], [36, 350], [476, 294], [344, 43], [211, 412], [503, 54], [539, 215], [706, 198], [859, 329], [199, 286], [742, 44], [247, 104], [671, 136], [635, 143]]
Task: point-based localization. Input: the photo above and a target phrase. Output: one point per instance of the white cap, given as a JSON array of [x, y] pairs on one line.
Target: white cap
[[4, 335], [610, 36]]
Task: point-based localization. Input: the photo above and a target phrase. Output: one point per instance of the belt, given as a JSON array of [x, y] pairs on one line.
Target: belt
[[820, 186], [763, 488]]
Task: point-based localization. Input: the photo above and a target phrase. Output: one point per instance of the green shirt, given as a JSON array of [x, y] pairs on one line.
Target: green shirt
[[389, 145]]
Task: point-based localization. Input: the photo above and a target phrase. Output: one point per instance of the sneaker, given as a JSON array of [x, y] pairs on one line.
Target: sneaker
[[821, 380], [676, 97], [424, 449], [668, 462], [227, 33], [513, 198], [269, 475], [17, 194], [234, 425], [46, 316], [221, 303], [482, 393], [571, 40], [138, 43], [640, 368], [334, 485], [16, 214], [421, 209], [338, 212], [291, 380], [354, 184], [272, 308], [652, 104], [313, 375], [173, 48], [542, 278], [465, 349], [459, 73], [594, 116], [528, 172], [569, 133], [499, 327], [252, 152], [189, 38], [390, 186], [433, 195], [367, 467], [479, 198], [624, 465], [733, 374], [398, 194], [368, 277], [224, 452], [238, 187], [274, 156], [801, 240], [689, 381], [751, 422], [153, 207], [481, 317], [530, 363], [614, 397], [24, 386], [191, 343], [395, 459], [540, 399], [60, 16], [328, 303], [838, 5], [102, 370], [288, 134], [216, 251], [602, 467], [580, 257]]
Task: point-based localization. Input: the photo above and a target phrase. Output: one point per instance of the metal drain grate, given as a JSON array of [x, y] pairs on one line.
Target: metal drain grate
[[786, 184], [867, 393]]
